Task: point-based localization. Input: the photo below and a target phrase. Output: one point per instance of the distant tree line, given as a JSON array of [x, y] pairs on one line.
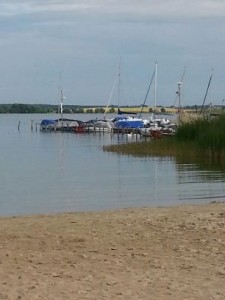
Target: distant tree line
[[17, 108]]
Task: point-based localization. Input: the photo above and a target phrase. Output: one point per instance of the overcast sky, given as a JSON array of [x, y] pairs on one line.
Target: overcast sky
[[77, 46]]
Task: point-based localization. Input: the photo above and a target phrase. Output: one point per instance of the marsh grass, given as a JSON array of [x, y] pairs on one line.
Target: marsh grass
[[202, 141]]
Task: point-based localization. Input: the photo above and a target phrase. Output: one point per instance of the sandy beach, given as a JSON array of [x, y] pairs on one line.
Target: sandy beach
[[147, 253]]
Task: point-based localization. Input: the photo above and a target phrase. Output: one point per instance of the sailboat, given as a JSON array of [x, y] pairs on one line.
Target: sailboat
[[60, 124], [101, 125], [152, 127], [126, 120], [155, 127]]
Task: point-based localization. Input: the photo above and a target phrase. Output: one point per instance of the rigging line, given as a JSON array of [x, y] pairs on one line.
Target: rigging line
[[153, 75], [206, 93], [183, 75], [110, 97]]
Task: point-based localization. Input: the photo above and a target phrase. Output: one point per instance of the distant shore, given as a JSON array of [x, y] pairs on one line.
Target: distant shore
[[148, 253]]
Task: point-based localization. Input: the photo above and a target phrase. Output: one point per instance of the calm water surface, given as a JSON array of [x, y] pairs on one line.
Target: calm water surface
[[61, 172]]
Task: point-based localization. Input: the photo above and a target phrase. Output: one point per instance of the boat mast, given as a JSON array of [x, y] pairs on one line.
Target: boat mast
[[155, 87], [182, 81], [61, 104], [153, 75], [179, 98], [206, 93], [118, 95]]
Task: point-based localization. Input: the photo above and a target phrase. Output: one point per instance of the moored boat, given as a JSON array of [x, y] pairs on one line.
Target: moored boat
[[99, 126], [61, 124]]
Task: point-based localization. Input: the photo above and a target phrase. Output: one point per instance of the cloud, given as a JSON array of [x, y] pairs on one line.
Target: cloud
[[175, 8], [84, 40], [131, 8], [33, 7]]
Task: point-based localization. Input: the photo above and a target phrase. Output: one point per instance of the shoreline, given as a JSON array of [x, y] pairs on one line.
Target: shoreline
[[173, 252]]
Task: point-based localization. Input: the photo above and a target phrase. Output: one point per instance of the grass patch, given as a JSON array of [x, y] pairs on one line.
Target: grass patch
[[202, 141]]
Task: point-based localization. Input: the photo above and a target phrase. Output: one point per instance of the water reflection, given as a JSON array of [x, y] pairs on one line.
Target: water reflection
[[54, 172], [194, 182], [204, 184], [192, 173]]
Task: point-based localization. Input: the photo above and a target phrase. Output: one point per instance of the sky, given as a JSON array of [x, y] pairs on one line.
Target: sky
[[79, 46]]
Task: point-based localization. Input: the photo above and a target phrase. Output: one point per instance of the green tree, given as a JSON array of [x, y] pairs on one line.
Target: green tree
[[97, 110], [101, 110], [111, 110]]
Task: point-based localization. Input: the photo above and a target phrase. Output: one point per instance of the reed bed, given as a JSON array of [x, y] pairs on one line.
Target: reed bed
[[200, 141], [207, 136]]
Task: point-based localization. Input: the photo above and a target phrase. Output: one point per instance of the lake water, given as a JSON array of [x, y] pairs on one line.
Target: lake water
[[43, 172]]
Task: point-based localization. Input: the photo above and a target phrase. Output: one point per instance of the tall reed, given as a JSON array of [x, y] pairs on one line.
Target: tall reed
[[207, 136], [202, 140]]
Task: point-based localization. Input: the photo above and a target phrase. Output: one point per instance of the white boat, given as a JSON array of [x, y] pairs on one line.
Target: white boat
[[99, 126], [154, 130]]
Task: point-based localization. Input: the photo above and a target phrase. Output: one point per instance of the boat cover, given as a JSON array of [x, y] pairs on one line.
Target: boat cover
[[129, 124], [46, 122]]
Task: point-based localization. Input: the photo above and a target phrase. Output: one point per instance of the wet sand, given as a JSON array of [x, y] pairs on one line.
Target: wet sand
[[148, 253]]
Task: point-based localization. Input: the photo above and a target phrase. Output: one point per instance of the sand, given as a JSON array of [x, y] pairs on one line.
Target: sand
[[147, 253]]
